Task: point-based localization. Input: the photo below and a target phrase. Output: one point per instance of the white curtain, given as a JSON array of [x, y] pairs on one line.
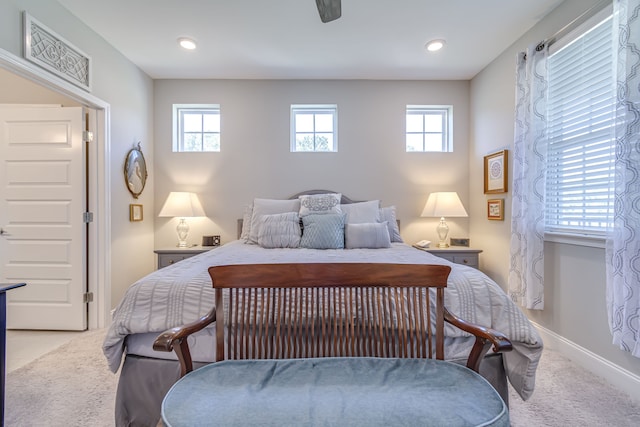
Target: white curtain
[[526, 270], [623, 240]]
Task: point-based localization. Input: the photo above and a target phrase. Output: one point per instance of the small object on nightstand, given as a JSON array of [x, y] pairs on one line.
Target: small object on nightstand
[[422, 244], [457, 255], [210, 240], [168, 257], [459, 241]]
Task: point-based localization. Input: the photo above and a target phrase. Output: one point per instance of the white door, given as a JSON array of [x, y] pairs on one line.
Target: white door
[[42, 203]]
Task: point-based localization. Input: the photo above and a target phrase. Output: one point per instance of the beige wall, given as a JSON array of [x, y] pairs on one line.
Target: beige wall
[[255, 160], [130, 94], [17, 90], [574, 275]]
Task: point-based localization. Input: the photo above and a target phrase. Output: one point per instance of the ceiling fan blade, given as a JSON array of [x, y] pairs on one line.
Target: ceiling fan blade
[[329, 9]]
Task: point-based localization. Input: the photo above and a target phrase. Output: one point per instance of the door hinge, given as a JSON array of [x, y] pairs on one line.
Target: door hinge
[[87, 217], [87, 136], [87, 297]]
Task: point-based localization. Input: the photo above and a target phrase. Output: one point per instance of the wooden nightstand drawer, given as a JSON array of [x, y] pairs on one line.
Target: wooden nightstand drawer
[[456, 254], [470, 260]]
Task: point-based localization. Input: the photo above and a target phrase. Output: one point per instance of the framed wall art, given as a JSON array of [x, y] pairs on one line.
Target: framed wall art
[[495, 172], [495, 209], [135, 213]]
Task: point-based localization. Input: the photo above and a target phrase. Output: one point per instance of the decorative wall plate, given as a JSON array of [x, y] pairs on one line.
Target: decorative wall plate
[[135, 171]]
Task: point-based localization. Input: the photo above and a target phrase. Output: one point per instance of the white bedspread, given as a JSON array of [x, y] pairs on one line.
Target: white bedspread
[[182, 293]]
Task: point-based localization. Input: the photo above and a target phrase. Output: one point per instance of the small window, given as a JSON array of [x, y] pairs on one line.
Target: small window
[[429, 128], [196, 128], [314, 128]]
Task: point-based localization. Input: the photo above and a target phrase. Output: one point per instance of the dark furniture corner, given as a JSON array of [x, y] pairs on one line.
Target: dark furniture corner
[[3, 339]]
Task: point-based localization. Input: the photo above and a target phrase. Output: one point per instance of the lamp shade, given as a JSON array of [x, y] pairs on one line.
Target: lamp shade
[[444, 204], [182, 204]]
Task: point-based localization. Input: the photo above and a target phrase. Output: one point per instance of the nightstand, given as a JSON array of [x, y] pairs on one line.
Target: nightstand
[[456, 254], [170, 256]]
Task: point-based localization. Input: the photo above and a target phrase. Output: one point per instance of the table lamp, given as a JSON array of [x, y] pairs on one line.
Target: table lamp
[[182, 205], [443, 204]]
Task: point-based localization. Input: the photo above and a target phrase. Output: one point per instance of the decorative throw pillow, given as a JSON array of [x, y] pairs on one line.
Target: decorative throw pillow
[[267, 207], [319, 204], [246, 222], [372, 235], [279, 230], [323, 231], [362, 212], [389, 214]]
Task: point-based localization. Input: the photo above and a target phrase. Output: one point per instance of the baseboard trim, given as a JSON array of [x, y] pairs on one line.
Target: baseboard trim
[[610, 372]]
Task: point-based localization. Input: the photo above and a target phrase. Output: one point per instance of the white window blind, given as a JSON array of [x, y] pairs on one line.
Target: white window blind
[[580, 118]]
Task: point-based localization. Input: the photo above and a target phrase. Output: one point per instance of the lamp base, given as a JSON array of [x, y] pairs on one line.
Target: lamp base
[[442, 229], [183, 231]]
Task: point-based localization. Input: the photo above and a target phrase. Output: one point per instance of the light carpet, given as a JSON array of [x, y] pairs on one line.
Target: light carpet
[[72, 386], [69, 386]]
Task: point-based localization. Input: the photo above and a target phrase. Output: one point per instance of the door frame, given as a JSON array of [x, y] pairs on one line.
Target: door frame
[[99, 238]]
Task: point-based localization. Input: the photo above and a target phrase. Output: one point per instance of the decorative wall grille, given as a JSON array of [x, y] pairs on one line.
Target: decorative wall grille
[[44, 47]]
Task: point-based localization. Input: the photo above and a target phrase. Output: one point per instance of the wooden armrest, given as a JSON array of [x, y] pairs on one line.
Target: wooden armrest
[[175, 339], [485, 338]]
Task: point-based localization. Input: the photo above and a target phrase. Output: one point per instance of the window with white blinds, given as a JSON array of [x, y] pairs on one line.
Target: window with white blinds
[[581, 98]]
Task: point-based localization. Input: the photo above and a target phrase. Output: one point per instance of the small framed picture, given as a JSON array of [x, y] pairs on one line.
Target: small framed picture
[[135, 212], [495, 172], [495, 209]]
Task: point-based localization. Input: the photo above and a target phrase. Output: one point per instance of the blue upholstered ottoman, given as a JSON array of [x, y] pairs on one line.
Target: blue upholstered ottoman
[[337, 391]]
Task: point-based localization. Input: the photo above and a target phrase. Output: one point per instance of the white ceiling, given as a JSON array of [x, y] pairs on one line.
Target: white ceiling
[[285, 39]]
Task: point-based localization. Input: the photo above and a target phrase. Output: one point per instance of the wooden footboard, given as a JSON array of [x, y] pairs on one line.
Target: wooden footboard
[[330, 309]]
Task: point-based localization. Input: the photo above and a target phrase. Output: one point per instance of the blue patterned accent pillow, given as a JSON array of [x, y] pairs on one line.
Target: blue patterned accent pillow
[[323, 231]]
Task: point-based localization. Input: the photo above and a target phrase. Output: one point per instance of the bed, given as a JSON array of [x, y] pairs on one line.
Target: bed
[[182, 293]]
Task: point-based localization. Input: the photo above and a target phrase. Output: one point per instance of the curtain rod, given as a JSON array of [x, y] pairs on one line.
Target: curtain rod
[[583, 17]]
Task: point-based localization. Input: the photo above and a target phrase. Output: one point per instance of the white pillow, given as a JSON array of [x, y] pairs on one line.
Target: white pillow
[[279, 230], [373, 235], [362, 212], [320, 204], [267, 207], [389, 214]]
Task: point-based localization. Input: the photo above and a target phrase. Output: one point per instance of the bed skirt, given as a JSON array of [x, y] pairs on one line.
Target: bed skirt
[[144, 381]]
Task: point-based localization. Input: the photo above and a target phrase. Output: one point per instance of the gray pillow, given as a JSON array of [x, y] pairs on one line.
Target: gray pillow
[[279, 230], [323, 231], [246, 222], [268, 207], [362, 212], [389, 214], [374, 235]]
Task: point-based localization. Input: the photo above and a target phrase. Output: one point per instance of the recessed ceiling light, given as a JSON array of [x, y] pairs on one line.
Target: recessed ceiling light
[[187, 43], [435, 45]]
